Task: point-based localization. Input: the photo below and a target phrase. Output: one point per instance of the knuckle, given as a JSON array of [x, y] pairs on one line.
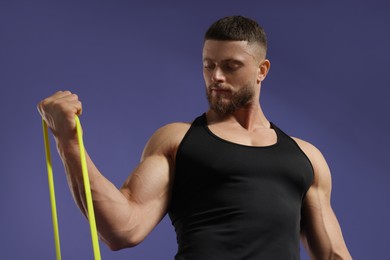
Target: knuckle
[[56, 102], [43, 103]]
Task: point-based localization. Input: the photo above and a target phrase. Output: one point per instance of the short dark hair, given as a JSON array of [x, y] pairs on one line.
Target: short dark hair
[[237, 28]]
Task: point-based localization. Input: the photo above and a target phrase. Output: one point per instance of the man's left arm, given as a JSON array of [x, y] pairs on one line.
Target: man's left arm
[[320, 231]]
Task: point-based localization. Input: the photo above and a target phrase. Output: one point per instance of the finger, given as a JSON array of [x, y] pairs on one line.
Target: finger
[[65, 99], [62, 94], [50, 99], [59, 95], [76, 106], [68, 98]]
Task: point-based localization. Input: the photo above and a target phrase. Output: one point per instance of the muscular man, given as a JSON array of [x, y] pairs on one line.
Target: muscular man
[[234, 185]]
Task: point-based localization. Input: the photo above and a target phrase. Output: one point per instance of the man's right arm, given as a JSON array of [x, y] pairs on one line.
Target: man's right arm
[[124, 216]]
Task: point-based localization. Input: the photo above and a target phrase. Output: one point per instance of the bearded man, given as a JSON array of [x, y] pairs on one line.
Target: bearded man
[[234, 185]]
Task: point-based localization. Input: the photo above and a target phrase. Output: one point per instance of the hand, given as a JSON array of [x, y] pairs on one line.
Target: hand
[[59, 112]]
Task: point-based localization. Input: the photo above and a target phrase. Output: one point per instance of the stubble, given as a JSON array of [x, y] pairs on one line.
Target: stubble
[[229, 102]]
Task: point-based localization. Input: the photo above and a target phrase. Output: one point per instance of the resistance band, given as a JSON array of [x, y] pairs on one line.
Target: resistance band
[[87, 188]]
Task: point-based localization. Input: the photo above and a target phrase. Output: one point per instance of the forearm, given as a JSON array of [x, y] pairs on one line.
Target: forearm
[[338, 248], [337, 252], [115, 213], [114, 218], [322, 236]]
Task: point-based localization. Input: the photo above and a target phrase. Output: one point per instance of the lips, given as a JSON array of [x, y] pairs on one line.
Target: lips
[[220, 90]]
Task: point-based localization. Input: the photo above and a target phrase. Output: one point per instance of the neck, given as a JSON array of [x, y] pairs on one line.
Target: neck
[[250, 117]]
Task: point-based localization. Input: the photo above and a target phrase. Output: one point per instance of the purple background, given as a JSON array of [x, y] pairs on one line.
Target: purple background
[[138, 66]]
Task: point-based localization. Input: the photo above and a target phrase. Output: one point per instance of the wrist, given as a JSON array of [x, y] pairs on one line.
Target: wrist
[[67, 146]]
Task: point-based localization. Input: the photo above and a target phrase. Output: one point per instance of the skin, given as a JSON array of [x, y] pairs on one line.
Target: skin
[[127, 215]]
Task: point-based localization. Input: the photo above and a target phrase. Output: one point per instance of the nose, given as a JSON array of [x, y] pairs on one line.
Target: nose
[[217, 75]]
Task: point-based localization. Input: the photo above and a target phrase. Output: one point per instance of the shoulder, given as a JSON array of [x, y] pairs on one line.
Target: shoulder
[[320, 166], [309, 149], [166, 139], [170, 132]]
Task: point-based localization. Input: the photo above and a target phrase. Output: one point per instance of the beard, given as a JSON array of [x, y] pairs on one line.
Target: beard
[[229, 102]]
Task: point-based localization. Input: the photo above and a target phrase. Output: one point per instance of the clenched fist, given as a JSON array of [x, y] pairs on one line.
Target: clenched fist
[[59, 112]]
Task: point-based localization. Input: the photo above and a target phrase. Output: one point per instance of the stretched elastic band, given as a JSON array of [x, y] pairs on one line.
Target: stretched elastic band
[[87, 188], [52, 192]]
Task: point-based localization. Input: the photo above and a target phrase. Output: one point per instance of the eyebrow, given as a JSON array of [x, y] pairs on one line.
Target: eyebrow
[[225, 61], [233, 61]]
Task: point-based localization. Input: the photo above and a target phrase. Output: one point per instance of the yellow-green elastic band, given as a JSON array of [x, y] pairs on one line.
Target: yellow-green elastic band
[[51, 189], [88, 195], [87, 188]]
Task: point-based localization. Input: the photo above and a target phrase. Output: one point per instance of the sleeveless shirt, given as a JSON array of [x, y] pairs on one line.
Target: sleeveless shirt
[[231, 201]]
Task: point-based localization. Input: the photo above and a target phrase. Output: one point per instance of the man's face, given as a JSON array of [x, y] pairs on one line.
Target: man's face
[[231, 73]]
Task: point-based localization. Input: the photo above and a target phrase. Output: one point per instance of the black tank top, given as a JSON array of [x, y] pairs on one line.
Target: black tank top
[[231, 201]]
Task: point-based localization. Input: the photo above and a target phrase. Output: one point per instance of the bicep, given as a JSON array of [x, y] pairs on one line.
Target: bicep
[[148, 187], [150, 181]]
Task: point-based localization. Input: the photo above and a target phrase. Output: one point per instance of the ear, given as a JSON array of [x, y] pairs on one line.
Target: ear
[[264, 67]]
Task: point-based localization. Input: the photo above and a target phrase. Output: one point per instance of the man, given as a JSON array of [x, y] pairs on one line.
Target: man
[[234, 185]]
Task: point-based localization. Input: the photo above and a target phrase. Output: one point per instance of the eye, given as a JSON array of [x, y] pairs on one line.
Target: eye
[[232, 66], [208, 66]]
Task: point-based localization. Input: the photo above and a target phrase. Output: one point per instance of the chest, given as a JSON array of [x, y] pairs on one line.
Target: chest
[[258, 138], [207, 162], [215, 175]]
